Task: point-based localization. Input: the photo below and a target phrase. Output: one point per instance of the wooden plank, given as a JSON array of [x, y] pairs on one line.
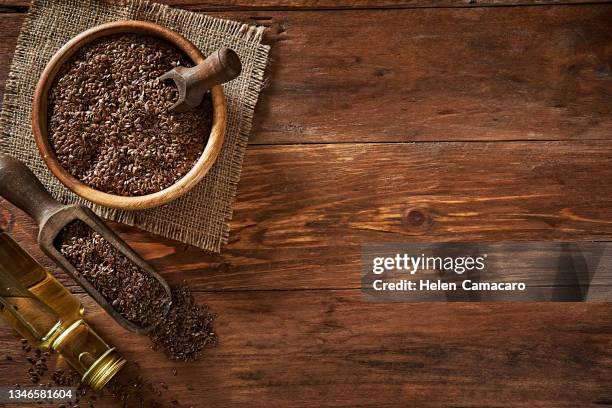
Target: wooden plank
[[538, 73], [286, 339], [302, 212], [212, 5], [524, 73], [330, 349]]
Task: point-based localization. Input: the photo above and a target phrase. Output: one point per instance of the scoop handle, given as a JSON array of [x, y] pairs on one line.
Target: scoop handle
[[192, 83], [21, 187], [219, 67]]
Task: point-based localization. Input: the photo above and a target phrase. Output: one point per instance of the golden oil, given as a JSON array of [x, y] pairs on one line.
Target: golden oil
[[42, 310], [33, 277]]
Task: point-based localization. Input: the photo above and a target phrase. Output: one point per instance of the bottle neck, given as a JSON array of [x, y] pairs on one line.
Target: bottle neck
[[88, 354]]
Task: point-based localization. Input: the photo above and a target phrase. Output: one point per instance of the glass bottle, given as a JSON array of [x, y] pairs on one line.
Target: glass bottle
[[43, 311]]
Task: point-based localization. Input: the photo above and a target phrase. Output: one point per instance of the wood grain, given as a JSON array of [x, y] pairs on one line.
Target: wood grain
[[537, 73], [293, 328], [302, 212], [330, 349], [525, 73], [214, 5]]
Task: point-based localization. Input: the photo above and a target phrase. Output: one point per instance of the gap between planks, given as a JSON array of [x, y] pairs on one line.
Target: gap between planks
[[22, 6]]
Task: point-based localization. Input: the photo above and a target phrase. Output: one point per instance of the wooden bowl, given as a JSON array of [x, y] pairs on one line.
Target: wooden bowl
[[39, 119]]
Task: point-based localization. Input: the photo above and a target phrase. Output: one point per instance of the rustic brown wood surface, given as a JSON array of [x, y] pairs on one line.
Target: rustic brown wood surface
[[216, 5], [294, 227], [510, 109], [517, 73]]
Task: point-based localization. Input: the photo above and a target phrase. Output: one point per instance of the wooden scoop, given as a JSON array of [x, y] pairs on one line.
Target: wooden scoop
[[21, 187], [218, 68]]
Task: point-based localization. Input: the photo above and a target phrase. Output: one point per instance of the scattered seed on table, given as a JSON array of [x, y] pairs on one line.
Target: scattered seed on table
[[186, 329]]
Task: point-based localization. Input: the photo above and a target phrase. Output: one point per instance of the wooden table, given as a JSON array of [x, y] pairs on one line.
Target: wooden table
[[386, 121]]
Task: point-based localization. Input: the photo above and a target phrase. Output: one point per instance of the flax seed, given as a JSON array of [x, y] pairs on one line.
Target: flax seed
[[109, 123]]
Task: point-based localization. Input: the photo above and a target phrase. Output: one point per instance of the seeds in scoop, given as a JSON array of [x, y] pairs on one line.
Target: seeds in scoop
[[181, 333], [134, 293], [108, 118]]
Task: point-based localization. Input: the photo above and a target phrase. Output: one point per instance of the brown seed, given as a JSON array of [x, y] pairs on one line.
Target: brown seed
[[108, 117], [135, 294]]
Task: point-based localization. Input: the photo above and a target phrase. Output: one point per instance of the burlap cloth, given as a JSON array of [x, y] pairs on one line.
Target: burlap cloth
[[202, 216]]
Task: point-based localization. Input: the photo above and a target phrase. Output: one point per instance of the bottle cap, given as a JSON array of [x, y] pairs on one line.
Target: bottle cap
[[105, 368], [87, 353]]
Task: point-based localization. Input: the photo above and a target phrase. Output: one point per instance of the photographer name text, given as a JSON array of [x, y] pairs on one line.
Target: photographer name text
[[454, 265]]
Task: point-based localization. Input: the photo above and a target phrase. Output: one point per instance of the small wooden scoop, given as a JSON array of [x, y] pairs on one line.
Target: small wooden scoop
[[220, 67], [21, 187]]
